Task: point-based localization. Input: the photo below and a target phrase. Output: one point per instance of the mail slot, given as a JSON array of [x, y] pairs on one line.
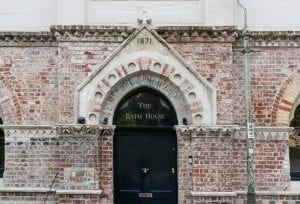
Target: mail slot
[[145, 195]]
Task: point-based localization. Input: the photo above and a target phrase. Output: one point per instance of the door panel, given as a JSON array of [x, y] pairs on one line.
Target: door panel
[[145, 162], [161, 163], [128, 157]]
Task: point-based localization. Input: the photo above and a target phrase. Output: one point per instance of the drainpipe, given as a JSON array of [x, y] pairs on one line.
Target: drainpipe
[[249, 128]]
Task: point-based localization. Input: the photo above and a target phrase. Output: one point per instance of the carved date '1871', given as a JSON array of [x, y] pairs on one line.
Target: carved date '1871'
[[143, 41]]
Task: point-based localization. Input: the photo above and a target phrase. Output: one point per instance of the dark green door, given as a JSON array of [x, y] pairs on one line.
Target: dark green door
[[145, 166]]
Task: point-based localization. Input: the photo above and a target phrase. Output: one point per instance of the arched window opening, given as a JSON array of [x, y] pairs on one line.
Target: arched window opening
[[294, 142], [2, 149]]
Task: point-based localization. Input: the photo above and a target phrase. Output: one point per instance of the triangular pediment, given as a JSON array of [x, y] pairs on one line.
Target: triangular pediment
[[146, 53]]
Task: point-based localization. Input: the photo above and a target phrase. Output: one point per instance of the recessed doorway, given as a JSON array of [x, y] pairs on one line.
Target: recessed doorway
[[145, 150]]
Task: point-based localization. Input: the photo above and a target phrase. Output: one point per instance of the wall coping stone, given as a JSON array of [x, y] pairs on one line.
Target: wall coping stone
[[234, 194], [45, 190], [272, 193], [79, 192]]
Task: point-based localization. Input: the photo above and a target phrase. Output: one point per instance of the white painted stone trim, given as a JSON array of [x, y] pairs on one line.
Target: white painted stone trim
[[26, 190], [200, 95], [273, 193], [234, 194], [45, 190], [295, 186], [79, 192], [35, 127], [209, 194], [277, 129]]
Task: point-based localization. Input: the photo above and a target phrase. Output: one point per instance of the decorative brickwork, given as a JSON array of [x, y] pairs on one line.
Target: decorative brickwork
[[287, 96], [48, 80], [27, 39], [91, 33], [198, 34]]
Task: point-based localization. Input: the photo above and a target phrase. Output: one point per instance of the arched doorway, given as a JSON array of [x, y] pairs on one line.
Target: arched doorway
[[145, 150]]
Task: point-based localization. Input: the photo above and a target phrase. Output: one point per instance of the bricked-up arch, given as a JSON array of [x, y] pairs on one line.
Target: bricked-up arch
[[288, 95], [10, 106], [166, 72]]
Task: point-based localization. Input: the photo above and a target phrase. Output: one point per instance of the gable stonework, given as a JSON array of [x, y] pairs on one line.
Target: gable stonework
[[49, 79]]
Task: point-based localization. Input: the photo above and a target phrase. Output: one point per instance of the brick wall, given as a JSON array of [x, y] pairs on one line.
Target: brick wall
[[38, 86], [272, 69], [30, 157], [76, 61], [30, 76], [41, 81], [212, 165], [213, 61]]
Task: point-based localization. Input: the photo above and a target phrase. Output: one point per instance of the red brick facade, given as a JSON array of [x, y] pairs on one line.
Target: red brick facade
[[41, 72]]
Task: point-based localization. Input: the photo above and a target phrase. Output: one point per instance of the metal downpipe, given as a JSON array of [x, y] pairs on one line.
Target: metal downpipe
[[248, 101]]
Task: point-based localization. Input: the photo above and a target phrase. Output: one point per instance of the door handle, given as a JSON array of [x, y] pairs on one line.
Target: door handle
[[145, 170], [173, 170]]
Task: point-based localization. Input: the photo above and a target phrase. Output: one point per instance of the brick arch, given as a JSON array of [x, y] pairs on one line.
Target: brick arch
[[286, 100], [195, 99], [11, 109]]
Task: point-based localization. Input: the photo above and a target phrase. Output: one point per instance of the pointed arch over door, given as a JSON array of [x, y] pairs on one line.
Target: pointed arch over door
[[156, 59]]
